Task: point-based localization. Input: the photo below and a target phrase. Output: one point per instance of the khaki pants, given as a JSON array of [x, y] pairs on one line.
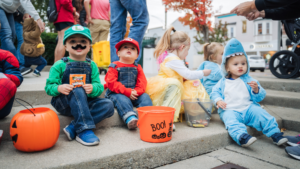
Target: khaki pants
[[99, 30]]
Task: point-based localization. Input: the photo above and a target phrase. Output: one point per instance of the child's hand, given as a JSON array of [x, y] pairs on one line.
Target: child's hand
[[206, 72], [133, 95], [221, 104], [88, 88], [254, 86], [65, 89]]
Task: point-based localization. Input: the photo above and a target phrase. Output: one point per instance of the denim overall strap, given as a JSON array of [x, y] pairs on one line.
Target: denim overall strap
[[126, 75], [77, 68]]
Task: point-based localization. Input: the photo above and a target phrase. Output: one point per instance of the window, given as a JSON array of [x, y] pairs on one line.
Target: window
[[259, 29], [231, 32], [268, 28]]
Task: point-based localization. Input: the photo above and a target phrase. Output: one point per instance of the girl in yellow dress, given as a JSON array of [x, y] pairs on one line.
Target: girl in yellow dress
[[175, 81]]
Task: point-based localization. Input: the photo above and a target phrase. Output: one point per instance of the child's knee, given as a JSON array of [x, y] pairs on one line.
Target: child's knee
[[7, 88], [146, 99]]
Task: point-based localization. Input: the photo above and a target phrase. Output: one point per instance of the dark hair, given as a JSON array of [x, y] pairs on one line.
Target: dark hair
[[77, 5]]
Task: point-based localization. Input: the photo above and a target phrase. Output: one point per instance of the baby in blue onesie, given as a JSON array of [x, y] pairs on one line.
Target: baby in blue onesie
[[213, 58], [237, 96]]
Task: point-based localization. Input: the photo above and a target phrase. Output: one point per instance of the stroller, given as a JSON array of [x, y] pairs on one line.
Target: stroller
[[285, 63]]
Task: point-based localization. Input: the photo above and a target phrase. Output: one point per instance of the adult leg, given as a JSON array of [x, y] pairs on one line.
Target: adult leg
[[233, 123], [95, 30], [140, 19], [100, 108], [123, 105], [60, 49], [142, 101], [19, 34], [260, 119], [7, 32], [118, 26], [105, 24]]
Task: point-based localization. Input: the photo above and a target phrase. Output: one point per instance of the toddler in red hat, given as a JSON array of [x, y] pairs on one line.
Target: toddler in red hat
[[126, 82]]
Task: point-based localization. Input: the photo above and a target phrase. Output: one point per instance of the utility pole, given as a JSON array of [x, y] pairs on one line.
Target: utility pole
[[166, 17]]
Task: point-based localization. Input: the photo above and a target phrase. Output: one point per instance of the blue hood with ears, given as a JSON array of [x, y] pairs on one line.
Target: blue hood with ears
[[233, 48]]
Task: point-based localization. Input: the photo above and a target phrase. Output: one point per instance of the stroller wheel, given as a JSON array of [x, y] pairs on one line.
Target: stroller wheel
[[284, 64]]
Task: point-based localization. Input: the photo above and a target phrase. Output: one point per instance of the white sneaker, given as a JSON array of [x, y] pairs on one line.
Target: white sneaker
[[174, 128], [1, 134]]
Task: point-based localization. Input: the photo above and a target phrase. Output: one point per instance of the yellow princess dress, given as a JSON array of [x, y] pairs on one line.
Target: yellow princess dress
[[168, 88]]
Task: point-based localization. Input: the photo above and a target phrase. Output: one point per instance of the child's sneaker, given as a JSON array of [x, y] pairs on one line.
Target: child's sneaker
[[174, 128], [246, 140], [278, 139], [131, 122], [1, 134], [293, 151], [293, 140], [87, 138], [36, 73], [70, 131]]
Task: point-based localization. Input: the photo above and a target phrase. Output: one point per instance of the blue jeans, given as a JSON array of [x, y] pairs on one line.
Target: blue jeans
[[8, 32], [40, 61], [140, 19], [125, 106], [87, 112], [19, 33], [254, 116]]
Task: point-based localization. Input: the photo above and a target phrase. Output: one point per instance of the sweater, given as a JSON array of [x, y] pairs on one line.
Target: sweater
[[24, 6], [57, 71], [115, 86], [65, 11]]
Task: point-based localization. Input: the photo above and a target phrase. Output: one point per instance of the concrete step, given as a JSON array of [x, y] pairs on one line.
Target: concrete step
[[262, 154], [282, 98], [113, 121], [122, 148], [290, 117], [290, 85]]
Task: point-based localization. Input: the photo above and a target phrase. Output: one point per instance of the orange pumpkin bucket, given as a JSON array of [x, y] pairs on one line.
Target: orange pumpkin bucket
[[156, 123], [34, 129]]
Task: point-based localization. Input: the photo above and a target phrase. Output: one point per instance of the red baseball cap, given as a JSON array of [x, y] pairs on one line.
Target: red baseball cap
[[127, 40]]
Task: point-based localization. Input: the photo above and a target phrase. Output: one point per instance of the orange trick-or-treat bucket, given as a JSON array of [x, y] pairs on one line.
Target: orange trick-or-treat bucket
[[156, 123]]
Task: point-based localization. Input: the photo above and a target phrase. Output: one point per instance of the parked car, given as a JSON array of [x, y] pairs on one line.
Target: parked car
[[257, 63]]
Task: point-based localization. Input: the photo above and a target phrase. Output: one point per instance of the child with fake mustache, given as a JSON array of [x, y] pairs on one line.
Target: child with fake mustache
[[72, 99]]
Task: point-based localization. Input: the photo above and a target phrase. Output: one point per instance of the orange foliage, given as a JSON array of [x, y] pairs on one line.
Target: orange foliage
[[197, 12]]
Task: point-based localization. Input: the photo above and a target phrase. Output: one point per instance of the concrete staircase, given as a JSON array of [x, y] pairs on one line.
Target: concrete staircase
[[121, 148]]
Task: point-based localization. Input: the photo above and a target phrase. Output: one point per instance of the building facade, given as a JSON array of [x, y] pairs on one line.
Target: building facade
[[259, 37]]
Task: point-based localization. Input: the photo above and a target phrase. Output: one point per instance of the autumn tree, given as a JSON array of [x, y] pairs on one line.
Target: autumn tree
[[218, 34], [197, 14]]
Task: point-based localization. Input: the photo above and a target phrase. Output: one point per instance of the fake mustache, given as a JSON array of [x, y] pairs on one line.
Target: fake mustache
[[78, 46]]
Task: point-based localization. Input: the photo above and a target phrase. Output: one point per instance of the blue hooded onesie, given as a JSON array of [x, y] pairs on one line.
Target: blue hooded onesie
[[212, 79], [253, 116]]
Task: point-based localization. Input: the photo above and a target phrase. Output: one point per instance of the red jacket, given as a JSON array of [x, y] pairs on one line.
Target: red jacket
[[65, 11], [111, 79]]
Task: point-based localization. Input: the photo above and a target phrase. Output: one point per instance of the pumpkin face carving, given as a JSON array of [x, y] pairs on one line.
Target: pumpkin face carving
[[31, 133]]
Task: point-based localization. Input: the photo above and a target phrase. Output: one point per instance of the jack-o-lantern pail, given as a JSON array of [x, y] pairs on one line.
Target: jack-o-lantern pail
[[34, 129], [156, 123]]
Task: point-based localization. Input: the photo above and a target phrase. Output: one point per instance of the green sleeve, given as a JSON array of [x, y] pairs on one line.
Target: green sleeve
[[54, 79], [95, 78]]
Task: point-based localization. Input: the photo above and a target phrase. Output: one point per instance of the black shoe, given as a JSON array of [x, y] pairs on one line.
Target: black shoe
[[25, 71]]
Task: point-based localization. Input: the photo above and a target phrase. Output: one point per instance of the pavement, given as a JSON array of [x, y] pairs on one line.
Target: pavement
[[263, 154]]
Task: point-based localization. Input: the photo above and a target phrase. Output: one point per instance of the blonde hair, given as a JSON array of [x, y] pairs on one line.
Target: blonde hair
[[210, 50], [171, 42]]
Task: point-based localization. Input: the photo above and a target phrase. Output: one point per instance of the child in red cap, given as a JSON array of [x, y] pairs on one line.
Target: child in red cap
[[126, 82]]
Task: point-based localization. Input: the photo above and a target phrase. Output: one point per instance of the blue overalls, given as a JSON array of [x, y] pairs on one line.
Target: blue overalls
[[128, 77], [86, 111]]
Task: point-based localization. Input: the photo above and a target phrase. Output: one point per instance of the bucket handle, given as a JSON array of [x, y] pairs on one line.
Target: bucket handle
[[140, 119], [205, 110], [16, 99]]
